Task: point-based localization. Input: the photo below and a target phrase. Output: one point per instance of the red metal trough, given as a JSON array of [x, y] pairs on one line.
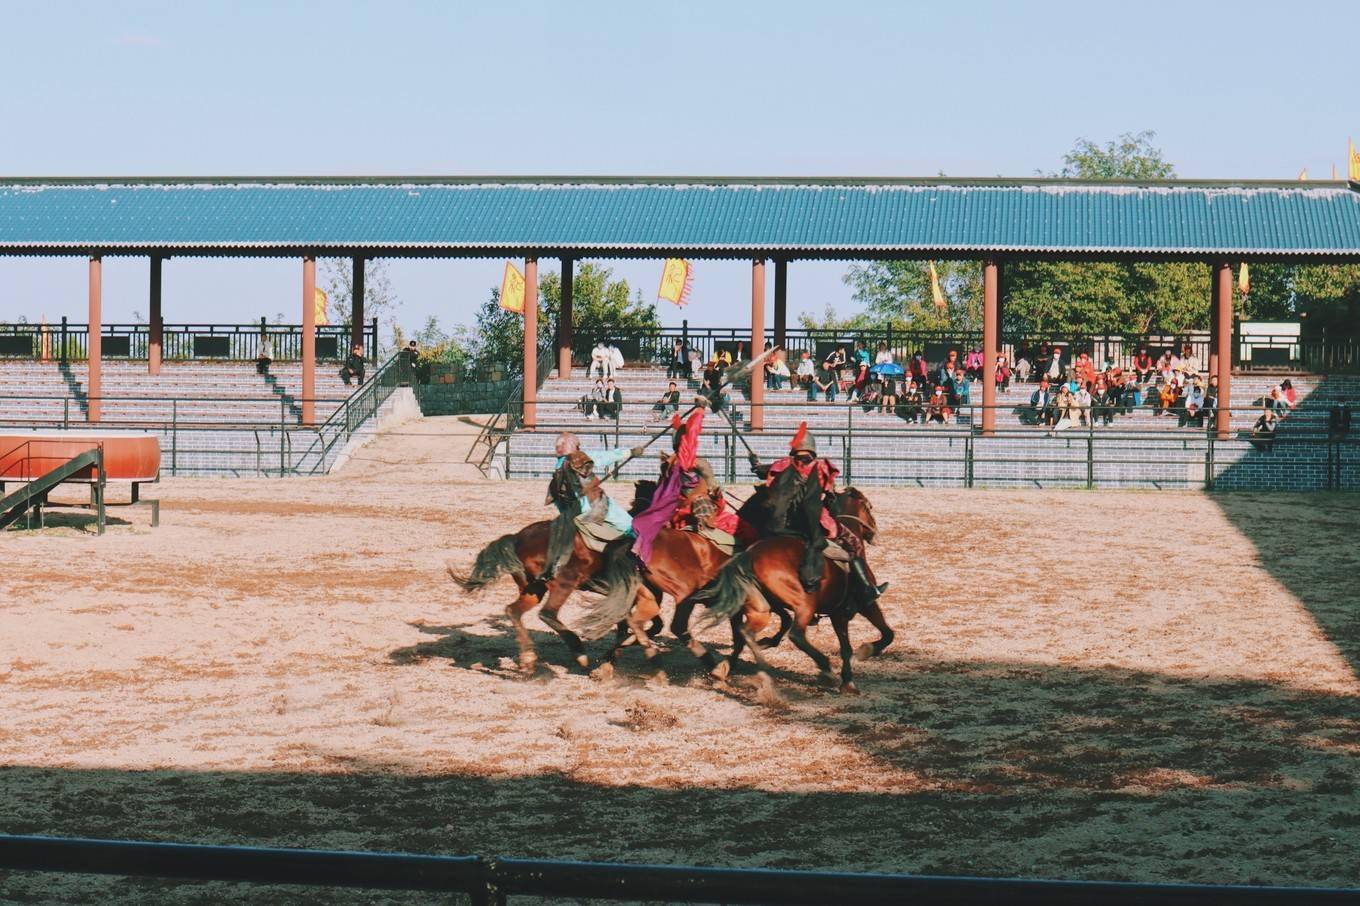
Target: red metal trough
[[127, 457]]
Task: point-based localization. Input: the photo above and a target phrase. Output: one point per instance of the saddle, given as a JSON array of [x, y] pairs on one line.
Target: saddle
[[837, 554], [596, 535], [719, 539]]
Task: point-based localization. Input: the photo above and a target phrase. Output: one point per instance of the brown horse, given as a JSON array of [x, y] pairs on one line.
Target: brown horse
[[523, 555], [764, 578]]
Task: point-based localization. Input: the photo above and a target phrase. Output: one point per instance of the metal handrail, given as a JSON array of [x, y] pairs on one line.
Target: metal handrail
[[67, 341]]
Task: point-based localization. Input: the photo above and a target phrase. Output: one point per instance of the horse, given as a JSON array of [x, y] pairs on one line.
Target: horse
[[764, 579], [522, 555]]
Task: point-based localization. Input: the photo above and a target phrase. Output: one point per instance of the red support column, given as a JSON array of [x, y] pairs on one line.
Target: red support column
[[991, 340], [1214, 351], [1223, 303], [94, 386], [757, 343], [530, 342], [156, 329], [781, 301], [309, 340], [564, 326], [356, 304]]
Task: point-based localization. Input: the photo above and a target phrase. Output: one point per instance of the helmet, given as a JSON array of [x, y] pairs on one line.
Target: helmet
[[803, 442]]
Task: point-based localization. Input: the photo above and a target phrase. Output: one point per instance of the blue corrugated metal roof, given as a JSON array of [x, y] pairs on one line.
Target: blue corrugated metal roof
[[828, 217]]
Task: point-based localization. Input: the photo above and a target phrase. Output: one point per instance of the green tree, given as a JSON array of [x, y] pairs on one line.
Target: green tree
[[897, 294], [1130, 156], [336, 277]]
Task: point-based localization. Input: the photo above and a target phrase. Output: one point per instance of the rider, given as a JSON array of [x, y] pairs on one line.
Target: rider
[[801, 487], [578, 493]]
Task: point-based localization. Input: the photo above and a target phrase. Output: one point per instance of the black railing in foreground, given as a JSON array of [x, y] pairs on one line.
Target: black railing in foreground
[[361, 406], [68, 342], [488, 881]]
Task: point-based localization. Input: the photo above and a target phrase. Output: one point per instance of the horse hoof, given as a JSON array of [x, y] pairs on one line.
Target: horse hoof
[[826, 677], [866, 651], [603, 672], [528, 662], [651, 651], [583, 660], [721, 671], [849, 689]]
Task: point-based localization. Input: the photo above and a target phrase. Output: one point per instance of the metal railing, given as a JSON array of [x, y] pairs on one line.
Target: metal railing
[[1320, 354], [358, 409], [67, 342], [490, 881], [510, 416]]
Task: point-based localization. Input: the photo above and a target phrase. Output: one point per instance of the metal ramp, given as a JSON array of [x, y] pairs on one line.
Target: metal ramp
[[30, 499]]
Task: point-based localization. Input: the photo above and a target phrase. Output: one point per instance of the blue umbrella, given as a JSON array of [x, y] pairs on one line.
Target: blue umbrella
[[888, 369]]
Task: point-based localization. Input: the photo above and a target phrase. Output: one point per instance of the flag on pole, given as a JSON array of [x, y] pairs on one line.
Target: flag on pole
[[320, 303], [936, 293], [677, 276], [512, 289], [1354, 164], [1244, 279]]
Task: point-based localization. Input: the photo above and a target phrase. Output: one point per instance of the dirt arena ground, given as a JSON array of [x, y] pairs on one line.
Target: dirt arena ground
[[1147, 686]]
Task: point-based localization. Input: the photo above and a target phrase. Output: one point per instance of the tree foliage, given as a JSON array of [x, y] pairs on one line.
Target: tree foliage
[[336, 278]]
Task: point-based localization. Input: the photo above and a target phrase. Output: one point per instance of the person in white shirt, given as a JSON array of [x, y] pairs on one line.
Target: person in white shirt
[[884, 356], [615, 358], [807, 370], [601, 365]]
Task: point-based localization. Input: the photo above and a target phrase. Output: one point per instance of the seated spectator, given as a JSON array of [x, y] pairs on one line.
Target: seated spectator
[[827, 383], [861, 381], [1132, 397], [871, 393], [1263, 432], [354, 365], [959, 390], [678, 364], [1289, 394], [1188, 365], [1192, 405], [945, 373], [884, 356], [1169, 366], [264, 354], [1274, 401], [1102, 403], [612, 405], [888, 402], [589, 404], [1081, 404], [669, 404], [1142, 365], [780, 371], [937, 407], [1114, 384], [912, 404], [972, 364], [1085, 370], [601, 364], [696, 365], [1042, 404], [718, 399], [1003, 374], [1023, 367], [807, 370], [724, 358], [1166, 399], [1064, 409], [615, 357]]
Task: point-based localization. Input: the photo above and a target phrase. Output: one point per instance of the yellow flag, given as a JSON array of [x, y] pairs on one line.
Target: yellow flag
[[1303, 174], [935, 292], [320, 302], [676, 279], [1355, 164], [512, 289], [1244, 279]]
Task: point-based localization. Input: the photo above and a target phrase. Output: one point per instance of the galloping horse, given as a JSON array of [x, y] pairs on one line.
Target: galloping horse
[[764, 578]]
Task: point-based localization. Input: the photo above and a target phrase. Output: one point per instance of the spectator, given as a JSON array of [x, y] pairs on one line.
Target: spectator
[[669, 404], [590, 404], [601, 364], [919, 370], [1142, 365], [1166, 399], [972, 364], [1191, 410], [779, 371], [1274, 401], [912, 404], [871, 392], [1210, 409], [723, 358], [1102, 403], [1132, 397], [696, 365], [807, 371], [718, 399], [1003, 374], [612, 406], [1057, 363], [420, 368], [1064, 409], [884, 355], [937, 407], [1188, 365], [959, 391], [615, 357], [1289, 394], [945, 373], [1085, 370], [1042, 404], [264, 354], [835, 361], [679, 360], [889, 400], [1263, 432], [713, 373], [354, 365], [1169, 366], [827, 383], [1081, 404], [1023, 364], [861, 355]]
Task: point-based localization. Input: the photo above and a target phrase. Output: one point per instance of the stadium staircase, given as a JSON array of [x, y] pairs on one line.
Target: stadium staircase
[[888, 450]]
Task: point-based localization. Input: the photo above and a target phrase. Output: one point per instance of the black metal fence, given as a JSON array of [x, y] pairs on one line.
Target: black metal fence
[[1323, 354], [67, 342], [488, 881]]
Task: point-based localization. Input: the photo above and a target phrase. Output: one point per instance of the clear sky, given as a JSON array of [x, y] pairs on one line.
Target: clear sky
[[1240, 89]]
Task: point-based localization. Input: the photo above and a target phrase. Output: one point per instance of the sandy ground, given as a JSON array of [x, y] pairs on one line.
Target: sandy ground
[[1149, 686]]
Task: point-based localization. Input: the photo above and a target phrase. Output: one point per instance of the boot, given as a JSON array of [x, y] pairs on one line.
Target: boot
[[860, 570]]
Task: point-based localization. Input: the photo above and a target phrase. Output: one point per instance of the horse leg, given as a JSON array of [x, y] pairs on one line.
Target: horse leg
[[874, 614], [646, 608], [680, 620], [752, 621], [802, 617], [785, 622], [840, 621], [515, 610], [559, 589]]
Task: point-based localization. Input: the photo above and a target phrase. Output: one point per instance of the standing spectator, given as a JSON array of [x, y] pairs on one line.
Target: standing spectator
[[1142, 365], [835, 361], [1023, 368], [807, 371], [1210, 409], [601, 365], [612, 407], [669, 404], [912, 405], [354, 365], [1003, 374], [972, 364], [861, 355], [679, 360], [419, 367], [884, 356], [264, 354]]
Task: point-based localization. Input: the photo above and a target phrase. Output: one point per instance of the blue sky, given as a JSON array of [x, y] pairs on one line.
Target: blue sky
[[781, 88]]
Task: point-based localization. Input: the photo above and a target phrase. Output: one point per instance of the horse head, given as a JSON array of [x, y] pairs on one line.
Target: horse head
[[858, 512]]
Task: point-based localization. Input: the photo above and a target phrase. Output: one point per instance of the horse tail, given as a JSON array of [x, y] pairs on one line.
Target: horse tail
[[500, 556], [726, 595], [619, 580]]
